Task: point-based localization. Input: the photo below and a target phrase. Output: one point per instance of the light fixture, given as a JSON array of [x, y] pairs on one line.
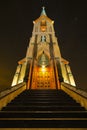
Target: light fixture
[[43, 68]]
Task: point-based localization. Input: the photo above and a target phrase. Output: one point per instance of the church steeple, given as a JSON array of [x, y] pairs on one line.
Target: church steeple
[[43, 12]]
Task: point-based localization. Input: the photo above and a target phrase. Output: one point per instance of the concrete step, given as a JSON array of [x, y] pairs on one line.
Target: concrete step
[[46, 103], [41, 123], [43, 109], [43, 114]]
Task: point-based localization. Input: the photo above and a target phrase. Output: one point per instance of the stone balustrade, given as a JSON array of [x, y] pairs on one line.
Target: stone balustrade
[[79, 95]]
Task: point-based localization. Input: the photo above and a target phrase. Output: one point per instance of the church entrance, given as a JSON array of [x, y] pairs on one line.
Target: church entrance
[[43, 78]]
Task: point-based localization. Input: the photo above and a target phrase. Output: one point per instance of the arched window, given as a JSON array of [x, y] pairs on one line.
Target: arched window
[[43, 38], [43, 25]]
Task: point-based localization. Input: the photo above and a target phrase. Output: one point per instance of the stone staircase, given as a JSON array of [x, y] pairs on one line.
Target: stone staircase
[[43, 109]]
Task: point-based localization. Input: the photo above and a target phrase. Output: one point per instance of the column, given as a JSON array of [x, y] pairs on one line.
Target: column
[[22, 73], [64, 73], [16, 76], [71, 78]]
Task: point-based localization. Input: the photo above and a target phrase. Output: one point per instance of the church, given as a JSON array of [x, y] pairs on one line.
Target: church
[[43, 93], [43, 67]]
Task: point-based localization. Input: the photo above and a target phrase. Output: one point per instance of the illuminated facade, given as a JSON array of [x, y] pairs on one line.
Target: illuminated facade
[[43, 67]]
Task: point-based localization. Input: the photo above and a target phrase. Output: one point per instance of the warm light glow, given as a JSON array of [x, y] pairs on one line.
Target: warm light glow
[[43, 68], [43, 28]]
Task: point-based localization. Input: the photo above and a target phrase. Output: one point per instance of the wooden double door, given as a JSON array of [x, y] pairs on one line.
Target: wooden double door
[[43, 78]]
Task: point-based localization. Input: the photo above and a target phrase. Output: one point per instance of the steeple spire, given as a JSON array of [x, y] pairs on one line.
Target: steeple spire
[[43, 12]]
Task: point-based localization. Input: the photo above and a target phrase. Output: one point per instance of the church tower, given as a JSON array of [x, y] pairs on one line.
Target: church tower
[[43, 67]]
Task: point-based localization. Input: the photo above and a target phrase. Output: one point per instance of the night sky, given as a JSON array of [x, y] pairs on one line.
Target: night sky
[[16, 24]]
